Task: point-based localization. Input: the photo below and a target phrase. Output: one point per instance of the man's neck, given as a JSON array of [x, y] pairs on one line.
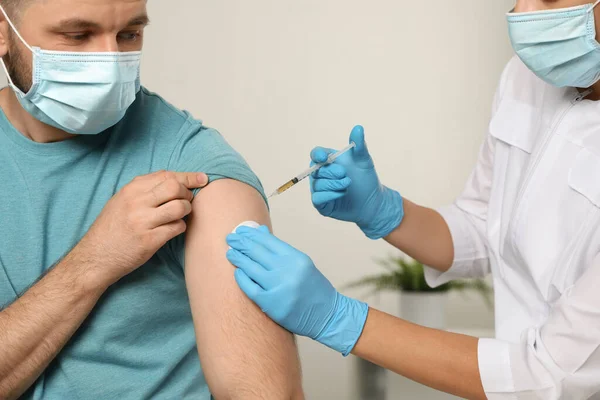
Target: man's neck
[[28, 126]]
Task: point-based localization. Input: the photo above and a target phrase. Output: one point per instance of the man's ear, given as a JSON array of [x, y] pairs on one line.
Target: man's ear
[[4, 31], [597, 17]]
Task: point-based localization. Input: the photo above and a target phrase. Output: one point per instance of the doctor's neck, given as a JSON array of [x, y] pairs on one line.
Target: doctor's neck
[[595, 94]]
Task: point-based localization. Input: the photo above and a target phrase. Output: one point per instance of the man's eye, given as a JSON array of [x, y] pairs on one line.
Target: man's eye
[[129, 36], [78, 36]]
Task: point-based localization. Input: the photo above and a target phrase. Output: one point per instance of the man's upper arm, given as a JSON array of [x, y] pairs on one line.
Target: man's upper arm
[[243, 353]]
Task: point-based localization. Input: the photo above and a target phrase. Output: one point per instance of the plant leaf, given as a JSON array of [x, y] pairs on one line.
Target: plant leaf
[[409, 276]]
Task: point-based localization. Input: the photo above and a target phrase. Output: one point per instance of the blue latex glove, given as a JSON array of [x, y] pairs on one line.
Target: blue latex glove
[[349, 190], [288, 287]]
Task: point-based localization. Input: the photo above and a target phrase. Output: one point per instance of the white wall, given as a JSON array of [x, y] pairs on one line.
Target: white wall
[[278, 77]]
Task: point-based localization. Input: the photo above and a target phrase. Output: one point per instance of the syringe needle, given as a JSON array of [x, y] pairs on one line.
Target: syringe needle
[[299, 178]]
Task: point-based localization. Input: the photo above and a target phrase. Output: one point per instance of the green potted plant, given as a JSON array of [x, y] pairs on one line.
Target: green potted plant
[[419, 302]]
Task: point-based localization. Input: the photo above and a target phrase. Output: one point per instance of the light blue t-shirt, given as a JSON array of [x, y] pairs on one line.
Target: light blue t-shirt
[[139, 341]]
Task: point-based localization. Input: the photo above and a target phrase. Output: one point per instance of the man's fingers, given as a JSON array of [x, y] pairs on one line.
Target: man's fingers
[[166, 232], [192, 180], [168, 190], [172, 211]]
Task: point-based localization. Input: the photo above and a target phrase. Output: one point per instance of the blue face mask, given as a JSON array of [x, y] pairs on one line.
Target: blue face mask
[[559, 46], [79, 93]]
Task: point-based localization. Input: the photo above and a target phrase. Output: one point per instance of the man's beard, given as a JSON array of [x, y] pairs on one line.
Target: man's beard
[[18, 66]]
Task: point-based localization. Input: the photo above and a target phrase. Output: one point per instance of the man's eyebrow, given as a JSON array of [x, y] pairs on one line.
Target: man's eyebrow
[[77, 24], [141, 19]]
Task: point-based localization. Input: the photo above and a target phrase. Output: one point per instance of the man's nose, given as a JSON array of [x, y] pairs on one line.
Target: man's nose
[[108, 43], [528, 5]]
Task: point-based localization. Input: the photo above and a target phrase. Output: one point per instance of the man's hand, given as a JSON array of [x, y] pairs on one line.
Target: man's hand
[[134, 224], [138, 221]]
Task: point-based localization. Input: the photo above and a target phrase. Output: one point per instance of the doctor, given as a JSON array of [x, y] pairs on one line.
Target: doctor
[[530, 215]]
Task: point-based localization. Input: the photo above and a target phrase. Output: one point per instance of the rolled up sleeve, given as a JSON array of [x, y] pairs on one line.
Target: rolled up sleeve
[[470, 252], [467, 221], [559, 360], [467, 218]]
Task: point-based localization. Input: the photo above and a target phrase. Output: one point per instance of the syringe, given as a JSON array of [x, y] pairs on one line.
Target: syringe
[[291, 183]]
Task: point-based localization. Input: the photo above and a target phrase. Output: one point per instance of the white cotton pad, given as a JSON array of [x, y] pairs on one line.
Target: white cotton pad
[[250, 224]]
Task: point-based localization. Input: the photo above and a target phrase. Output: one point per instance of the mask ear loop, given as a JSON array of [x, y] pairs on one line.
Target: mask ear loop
[[10, 81], [19, 35], [594, 5]]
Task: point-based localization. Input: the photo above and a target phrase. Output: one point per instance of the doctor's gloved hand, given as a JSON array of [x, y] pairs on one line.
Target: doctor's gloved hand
[[349, 190], [288, 287]]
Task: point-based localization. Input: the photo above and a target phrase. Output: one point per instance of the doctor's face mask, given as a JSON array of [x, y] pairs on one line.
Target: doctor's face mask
[[557, 44], [86, 83]]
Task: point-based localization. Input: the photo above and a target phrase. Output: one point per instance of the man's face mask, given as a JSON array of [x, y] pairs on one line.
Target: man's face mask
[[79, 93], [559, 46]]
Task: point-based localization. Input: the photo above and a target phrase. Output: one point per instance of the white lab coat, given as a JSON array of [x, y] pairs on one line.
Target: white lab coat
[[530, 215]]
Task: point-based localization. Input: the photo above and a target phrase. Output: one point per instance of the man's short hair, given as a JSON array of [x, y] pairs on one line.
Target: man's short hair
[[14, 8]]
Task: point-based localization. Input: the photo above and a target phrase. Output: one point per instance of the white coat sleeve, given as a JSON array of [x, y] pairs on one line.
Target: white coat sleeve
[[467, 217], [467, 221], [559, 360]]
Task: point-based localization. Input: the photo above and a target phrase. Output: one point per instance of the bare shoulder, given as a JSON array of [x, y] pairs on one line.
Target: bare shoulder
[[228, 199]]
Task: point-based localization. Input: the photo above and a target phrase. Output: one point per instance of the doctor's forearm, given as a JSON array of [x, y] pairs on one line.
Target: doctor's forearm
[[424, 236], [441, 360]]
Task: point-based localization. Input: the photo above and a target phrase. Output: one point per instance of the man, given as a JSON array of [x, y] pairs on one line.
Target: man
[[93, 262]]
